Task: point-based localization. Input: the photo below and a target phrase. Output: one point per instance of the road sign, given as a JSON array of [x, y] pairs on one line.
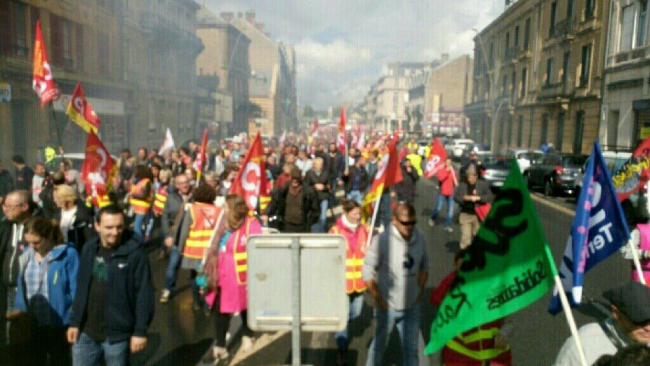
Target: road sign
[[5, 93], [297, 276]]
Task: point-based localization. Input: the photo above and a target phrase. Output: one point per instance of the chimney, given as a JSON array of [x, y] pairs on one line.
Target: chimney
[[240, 15], [444, 58], [227, 15], [250, 17]]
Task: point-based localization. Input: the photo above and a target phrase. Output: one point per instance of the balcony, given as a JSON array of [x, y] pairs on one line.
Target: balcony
[[562, 30], [511, 54], [553, 91]]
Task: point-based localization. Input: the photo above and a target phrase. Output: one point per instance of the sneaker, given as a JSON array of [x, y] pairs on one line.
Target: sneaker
[[164, 298], [431, 222], [246, 343], [217, 354], [449, 229]]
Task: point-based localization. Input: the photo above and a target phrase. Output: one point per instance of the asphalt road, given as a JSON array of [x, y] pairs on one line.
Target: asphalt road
[[181, 336]]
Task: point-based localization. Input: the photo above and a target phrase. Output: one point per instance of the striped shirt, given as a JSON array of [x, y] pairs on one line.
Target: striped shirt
[[37, 293]]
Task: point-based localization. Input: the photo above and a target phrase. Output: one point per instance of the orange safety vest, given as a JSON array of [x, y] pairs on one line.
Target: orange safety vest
[[354, 261], [101, 201], [476, 346], [140, 206], [240, 254], [160, 200], [204, 219]]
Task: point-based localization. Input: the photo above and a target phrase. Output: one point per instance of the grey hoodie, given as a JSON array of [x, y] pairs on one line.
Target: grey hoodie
[[394, 264]]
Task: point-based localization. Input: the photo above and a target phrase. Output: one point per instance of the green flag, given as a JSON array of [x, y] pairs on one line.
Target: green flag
[[508, 266]]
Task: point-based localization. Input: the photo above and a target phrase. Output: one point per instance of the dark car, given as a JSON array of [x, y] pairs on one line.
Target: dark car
[[555, 173], [495, 171]]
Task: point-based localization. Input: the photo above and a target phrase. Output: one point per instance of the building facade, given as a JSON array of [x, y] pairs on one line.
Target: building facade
[[537, 75], [135, 60], [625, 114]]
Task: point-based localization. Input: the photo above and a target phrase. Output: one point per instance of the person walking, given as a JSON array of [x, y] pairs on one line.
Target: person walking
[[356, 237], [395, 270], [46, 286], [24, 174], [6, 183], [72, 215], [406, 188], [38, 181], [356, 180], [470, 194], [114, 302], [141, 198], [230, 248], [295, 206], [448, 179], [318, 180]]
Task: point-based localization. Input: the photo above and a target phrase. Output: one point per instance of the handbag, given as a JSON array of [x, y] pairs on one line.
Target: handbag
[[482, 210]]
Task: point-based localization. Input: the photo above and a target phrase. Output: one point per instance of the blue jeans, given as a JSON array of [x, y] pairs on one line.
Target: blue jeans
[[172, 268], [408, 326], [356, 304], [356, 196], [88, 352], [138, 221], [450, 208], [319, 227]]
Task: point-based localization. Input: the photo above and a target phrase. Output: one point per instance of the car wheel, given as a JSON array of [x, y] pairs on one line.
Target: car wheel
[[548, 189]]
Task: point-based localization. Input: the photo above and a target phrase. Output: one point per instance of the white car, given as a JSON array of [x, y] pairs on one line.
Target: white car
[[524, 157], [457, 146]]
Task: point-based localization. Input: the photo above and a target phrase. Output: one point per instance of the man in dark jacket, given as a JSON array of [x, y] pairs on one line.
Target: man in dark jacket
[[318, 180], [406, 188], [356, 180], [294, 205], [24, 174], [6, 184], [47, 194], [114, 303]]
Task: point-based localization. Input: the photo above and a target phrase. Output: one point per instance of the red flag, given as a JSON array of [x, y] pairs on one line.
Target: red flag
[[43, 82], [81, 112], [388, 174], [98, 168], [341, 137], [436, 160], [251, 178], [198, 163]]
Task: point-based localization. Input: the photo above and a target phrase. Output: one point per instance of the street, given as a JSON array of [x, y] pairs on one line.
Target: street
[[181, 336]]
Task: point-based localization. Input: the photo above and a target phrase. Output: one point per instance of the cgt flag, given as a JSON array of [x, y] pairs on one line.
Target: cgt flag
[[599, 229], [635, 173], [43, 81], [250, 182], [201, 158], [507, 267], [436, 160], [98, 168], [341, 141], [81, 112], [388, 174]]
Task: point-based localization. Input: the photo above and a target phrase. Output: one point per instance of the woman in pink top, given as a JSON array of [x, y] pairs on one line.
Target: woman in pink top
[[448, 179]]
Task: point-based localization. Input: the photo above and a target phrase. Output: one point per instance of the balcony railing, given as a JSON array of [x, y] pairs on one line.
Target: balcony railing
[[553, 90], [562, 29]]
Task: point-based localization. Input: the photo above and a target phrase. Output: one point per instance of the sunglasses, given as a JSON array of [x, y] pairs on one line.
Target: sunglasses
[[408, 223]]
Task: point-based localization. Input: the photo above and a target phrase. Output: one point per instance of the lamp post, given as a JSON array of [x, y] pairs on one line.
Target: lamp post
[[491, 100]]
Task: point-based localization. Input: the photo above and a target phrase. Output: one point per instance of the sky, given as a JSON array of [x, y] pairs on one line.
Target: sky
[[341, 45]]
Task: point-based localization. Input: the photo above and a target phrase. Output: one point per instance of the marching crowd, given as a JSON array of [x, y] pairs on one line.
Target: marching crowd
[[76, 278]]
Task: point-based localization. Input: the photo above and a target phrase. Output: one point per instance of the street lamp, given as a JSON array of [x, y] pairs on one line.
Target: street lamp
[[491, 99]]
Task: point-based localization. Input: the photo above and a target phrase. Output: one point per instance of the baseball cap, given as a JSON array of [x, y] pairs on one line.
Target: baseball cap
[[633, 299]]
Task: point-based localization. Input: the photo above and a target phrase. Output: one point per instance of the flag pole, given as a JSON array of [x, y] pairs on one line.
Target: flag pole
[[374, 217], [637, 262], [570, 320], [58, 133]]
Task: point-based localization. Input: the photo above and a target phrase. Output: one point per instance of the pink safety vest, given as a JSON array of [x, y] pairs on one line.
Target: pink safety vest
[[644, 244]]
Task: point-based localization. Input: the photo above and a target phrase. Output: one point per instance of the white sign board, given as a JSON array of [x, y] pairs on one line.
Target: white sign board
[[324, 303], [5, 93]]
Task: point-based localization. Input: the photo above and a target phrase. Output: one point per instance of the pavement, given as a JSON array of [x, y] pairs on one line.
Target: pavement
[[181, 336]]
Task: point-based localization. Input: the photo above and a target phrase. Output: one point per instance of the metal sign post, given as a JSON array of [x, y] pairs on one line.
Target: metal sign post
[[295, 302]]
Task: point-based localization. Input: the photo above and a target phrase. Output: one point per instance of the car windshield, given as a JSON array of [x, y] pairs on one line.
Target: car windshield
[[573, 161]]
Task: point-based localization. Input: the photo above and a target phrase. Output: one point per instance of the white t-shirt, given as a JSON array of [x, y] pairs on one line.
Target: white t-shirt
[[67, 220], [37, 188]]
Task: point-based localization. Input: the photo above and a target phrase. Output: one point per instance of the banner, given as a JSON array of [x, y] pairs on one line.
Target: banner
[[98, 168], [635, 173], [361, 143], [168, 143], [507, 267], [81, 112], [43, 81], [436, 160], [388, 174], [198, 163], [251, 178], [599, 230], [341, 140]]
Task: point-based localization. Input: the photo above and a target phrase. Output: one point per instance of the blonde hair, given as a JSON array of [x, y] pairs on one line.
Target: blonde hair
[[65, 194]]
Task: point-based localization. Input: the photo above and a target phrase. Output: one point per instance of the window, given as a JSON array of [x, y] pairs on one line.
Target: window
[[549, 70], [565, 67], [586, 65], [516, 36], [577, 138], [627, 28], [590, 9], [520, 131], [523, 84], [514, 83], [560, 132], [569, 9], [506, 50], [544, 129], [641, 24], [553, 19], [103, 50], [79, 42], [504, 86], [510, 126], [13, 32], [61, 40], [526, 33]]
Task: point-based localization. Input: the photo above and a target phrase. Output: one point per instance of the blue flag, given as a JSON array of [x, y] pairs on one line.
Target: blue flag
[[599, 229]]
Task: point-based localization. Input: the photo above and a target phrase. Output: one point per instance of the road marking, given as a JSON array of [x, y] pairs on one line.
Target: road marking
[[553, 205]]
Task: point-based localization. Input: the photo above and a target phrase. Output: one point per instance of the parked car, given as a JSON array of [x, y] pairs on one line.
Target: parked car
[[495, 171], [457, 146], [524, 157], [555, 173], [614, 160]]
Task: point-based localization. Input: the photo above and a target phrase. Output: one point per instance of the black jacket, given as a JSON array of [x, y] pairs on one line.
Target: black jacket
[[7, 250], [47, 198], [82, 228], [406, 188], [24, 178], [310, 205], [482, 190], [349, 179], [130, 291], [311, 179], [6, 183]]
